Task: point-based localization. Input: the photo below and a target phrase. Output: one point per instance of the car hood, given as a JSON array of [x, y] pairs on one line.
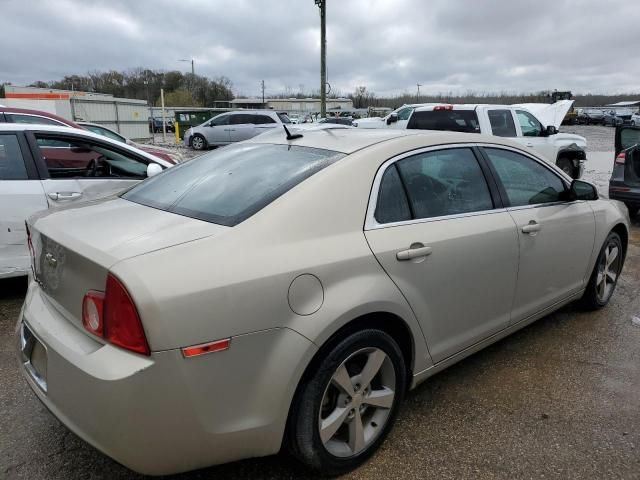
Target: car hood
[[549, 114], [110, 230]]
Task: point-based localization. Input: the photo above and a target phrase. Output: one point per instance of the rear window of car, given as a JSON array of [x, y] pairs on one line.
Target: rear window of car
[[449, 120], [233, 183], [284, 118], [629, 137]]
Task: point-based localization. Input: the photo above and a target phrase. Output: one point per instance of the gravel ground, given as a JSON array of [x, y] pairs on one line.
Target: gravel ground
[[558, 399]]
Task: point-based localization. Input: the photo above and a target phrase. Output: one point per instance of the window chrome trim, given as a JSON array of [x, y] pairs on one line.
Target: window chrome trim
[[372, 224]]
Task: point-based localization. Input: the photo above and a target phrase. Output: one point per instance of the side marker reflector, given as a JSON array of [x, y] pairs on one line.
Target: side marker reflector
[[211, 347]]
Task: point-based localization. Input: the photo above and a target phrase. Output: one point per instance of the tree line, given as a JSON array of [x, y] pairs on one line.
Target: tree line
[[180, 89]]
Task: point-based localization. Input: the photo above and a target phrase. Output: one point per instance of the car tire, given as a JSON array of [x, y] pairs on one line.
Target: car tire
[[358, 427], [198, 142], [606, 273], [566, 165], [633, 123]]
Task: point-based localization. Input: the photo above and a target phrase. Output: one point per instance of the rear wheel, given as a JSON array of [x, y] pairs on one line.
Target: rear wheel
[[565, 165], [605, 274], [347, 407], [198, 142], [633, 123]]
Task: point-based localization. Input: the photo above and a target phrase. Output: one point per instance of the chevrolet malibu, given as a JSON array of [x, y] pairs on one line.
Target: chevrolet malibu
[[286, 292]]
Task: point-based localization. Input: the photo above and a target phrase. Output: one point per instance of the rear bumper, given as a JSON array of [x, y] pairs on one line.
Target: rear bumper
[[630, 197], [166, 414]]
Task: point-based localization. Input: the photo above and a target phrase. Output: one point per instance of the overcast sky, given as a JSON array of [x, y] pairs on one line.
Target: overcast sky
[[386, 45]]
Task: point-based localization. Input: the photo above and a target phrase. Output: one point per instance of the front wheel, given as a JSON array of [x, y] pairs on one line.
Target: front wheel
[[347, 407], [605, 274], [198, 142]]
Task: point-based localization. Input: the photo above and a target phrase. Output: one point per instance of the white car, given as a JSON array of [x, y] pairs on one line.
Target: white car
[[397, 119], [44, 166], [635, 119]]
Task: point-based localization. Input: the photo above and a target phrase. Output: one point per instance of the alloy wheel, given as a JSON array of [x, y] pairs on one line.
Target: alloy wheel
[[197, 143], [608, 271], [357, 402]]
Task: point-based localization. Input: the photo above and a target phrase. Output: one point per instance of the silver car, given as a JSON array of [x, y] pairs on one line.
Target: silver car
[[286, 292], [233, 127]]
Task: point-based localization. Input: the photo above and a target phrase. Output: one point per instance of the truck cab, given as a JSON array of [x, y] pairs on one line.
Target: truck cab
[[536, 131]]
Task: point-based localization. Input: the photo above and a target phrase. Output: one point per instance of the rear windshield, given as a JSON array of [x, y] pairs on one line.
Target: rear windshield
[[232, 183], [284, 118], [450, 120], [629, 137]]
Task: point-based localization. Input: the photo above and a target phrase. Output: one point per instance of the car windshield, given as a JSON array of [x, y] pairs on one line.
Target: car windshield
[[229, 185], [450, 120]]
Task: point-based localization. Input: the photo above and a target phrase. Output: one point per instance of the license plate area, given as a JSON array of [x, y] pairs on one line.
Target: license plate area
[[34, 356]]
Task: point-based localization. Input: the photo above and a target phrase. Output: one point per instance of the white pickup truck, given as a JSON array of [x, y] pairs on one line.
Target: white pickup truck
[[533, 125]]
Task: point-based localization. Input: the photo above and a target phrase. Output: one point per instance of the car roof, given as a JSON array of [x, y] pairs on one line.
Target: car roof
[[28, 127], [28, 111], [349, 140]]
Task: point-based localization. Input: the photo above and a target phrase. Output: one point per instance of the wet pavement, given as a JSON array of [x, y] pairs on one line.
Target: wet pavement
[[558, 399]]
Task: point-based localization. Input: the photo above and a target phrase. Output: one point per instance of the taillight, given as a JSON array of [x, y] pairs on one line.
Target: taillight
[[114, 317], [92, 308], [443, 107], [621, 158]]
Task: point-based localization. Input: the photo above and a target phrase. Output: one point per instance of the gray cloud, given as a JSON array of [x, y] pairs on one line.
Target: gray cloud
[[387, 45]]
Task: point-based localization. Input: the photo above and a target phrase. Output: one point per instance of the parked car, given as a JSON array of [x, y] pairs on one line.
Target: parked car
[[28, 116], [635, 120], [44, 166], [287, 291], [155, 125], [612, 119], [338, 120], [590, 116], [624, 184], [163, 153], [537, 131], [233, 127], [397, 119]]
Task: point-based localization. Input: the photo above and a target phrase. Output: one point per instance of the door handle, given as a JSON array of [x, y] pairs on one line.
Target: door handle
[[533, 228], [412, 253], [64, 195]]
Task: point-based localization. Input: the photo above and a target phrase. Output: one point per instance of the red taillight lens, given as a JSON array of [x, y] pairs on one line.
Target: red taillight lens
[[122, 325], [621, 158], [92, 307], [113, 316], [196, 350]]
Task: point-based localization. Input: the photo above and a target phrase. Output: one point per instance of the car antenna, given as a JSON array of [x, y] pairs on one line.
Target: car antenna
[[291, 136]]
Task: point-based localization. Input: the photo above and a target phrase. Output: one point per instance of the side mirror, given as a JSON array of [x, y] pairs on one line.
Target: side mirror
[[580, 190], [153, 169], [551, 130], [393, 118]]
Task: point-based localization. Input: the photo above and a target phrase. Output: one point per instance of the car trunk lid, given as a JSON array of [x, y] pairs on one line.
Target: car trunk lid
[[628, 141], [72, 253]]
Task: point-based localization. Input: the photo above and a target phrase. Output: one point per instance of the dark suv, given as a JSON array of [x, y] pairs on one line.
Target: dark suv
[[625, 178]]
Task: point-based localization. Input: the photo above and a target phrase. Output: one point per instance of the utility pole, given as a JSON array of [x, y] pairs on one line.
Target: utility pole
[[322, 4], [193, 70], [418, 95], [263, 106]]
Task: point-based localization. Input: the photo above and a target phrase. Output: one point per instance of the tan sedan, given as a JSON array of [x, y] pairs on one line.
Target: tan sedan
[[287, 291]]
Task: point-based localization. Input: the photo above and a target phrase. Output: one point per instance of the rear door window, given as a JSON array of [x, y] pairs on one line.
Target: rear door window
[[502, 124], [12, 165], [438, 183], [449, 120], [262, 119], [240, 119], [229, 185]]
